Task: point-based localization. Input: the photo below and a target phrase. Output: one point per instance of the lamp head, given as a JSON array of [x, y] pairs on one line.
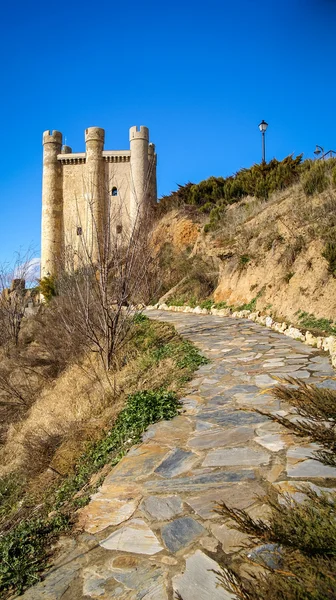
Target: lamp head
[[263, 126], [318, 150]]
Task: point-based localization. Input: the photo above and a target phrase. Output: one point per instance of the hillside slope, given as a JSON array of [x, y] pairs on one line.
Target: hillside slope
[[279, 251]]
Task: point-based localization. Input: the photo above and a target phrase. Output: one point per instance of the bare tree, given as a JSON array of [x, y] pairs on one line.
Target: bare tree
[[97, 294], [14, 294]]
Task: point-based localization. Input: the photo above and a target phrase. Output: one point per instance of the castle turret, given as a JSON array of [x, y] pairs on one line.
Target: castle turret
[[139, 172], [52, 204], [94, 189]]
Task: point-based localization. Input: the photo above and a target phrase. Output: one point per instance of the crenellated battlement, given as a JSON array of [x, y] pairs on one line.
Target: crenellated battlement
[[141, 133], [52, 137], [96, 134]]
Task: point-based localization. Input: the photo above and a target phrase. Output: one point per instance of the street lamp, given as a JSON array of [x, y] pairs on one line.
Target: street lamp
[[318, 150], [263, 126]]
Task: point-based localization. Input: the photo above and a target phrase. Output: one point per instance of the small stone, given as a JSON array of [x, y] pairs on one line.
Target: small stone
[[272, 442], [274, 473], [181, 533], [209, 543], [169, 560], [231, 539]]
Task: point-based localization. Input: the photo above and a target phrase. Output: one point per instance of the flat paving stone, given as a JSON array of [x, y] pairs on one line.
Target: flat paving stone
[[179, 461], [221, 438], [112, 505], [237, 418], [136, 537], [181, 533], [200, 580], [272, 441], [162, 509], [139, 463], [241, 495], [197, 481], [236, 457], [311, 468]]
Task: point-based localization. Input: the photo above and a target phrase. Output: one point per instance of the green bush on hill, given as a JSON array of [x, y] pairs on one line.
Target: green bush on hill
[[214, 194]]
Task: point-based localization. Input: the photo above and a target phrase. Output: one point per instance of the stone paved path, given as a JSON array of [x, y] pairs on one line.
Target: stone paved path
[[151, 530]]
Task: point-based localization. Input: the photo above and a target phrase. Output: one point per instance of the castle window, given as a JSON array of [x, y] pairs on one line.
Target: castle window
[[79, 231], [119, 228], [114, 191]]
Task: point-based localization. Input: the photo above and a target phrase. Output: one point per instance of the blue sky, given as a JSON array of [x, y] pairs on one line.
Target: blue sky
[[201, 75]]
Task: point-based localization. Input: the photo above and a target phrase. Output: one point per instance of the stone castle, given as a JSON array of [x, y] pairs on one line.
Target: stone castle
[[81, 190]]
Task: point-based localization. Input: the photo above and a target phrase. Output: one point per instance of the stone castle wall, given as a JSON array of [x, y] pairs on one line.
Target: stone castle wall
[[80, 189]]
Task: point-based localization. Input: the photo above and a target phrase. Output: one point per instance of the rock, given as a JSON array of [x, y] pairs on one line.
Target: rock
[[272, 441], [176, 463], [241, 495], [294, 333], [181, 533], [112, 505], [311, 340], [136, 537], [200, 580], [310, 468], [280, 327], [269, 322], [254, 315], [162, 509], [219, 438], [329, 344], [231, 539], [236, 457], [163, 307]]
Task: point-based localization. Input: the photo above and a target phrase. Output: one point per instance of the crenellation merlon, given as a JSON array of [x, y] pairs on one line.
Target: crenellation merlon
[[52, 137], [141, 133]]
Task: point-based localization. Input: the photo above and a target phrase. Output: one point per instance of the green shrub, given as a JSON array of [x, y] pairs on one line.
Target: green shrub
[[220, 305], [208, 304], [47, 287], [329, 254], [214, 194], [315, 180], [333, 176], [298, 537], [23, 551], [243, 260], [311, 322]]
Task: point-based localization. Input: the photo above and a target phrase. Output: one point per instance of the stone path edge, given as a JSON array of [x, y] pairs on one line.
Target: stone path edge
[[326, 343]]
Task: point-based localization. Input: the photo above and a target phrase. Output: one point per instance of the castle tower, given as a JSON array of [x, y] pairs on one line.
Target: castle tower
[[94, 189], [152, 160], [139, 176], [52, 204]]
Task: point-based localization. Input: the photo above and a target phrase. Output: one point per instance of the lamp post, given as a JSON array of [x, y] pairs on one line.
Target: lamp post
[[318, 150], [263, 126]]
